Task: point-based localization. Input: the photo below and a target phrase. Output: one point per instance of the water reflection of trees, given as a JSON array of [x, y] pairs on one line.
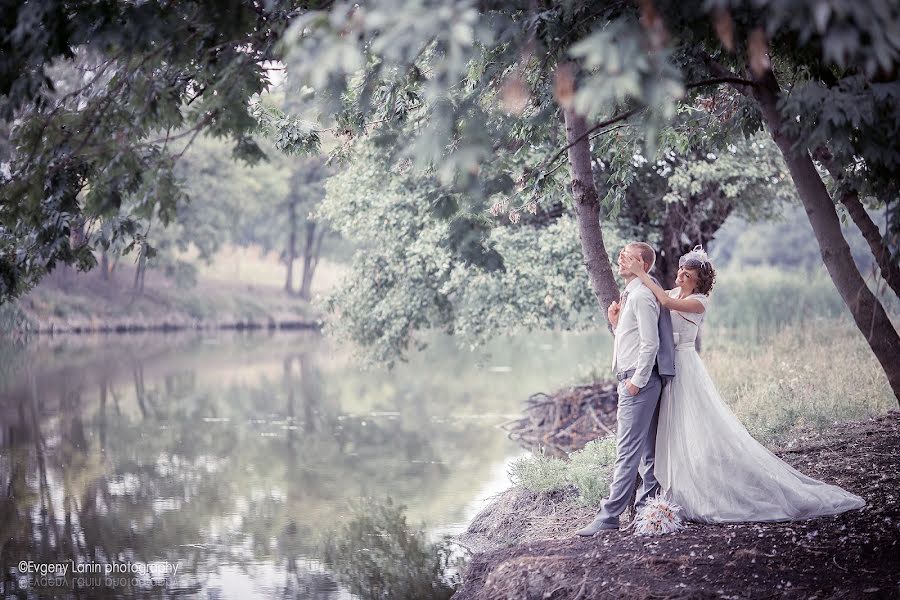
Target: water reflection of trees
[[101, 467], [376, 555]]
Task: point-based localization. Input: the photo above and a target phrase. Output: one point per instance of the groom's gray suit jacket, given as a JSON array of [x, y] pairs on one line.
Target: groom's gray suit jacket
[[665, 355]]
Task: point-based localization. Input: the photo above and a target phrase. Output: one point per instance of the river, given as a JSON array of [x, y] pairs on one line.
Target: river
[[256, 465]]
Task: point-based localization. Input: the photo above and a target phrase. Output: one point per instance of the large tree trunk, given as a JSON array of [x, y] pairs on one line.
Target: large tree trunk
[[311, 409], [289, 388], [670, 248], [587, 212], [291, 253], [682, 223], [867, 311]]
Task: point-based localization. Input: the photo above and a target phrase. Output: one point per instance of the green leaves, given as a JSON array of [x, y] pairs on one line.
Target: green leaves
[[95, 97], [619, 70], [327, 49], [289, 134], [588, 470], [424, 264], [851, 34]]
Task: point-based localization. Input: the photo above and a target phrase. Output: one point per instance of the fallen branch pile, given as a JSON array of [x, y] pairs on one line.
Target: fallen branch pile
[[568, 420]]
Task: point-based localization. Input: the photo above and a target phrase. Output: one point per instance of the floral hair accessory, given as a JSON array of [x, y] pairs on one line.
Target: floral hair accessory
[[696, 257]]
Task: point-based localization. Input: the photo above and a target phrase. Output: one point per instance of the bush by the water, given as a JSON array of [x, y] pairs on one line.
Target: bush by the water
[[588, 470]]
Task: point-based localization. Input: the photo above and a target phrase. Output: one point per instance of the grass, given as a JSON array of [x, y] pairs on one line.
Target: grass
[[89, 300], [784, 386], [762, 300], [252, 266], [808, 375], [589, 471], [240, 284]]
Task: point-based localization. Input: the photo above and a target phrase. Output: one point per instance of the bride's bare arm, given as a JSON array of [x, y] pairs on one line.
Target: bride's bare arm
[[636, 266]]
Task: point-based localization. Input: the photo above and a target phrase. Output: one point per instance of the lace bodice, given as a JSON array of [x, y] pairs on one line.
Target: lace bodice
[[686, 325]]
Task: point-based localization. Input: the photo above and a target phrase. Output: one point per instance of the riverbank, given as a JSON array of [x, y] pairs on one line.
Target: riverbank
[[70, 302], [524, 547]]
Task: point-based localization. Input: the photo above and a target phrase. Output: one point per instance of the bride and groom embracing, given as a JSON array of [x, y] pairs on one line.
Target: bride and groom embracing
[[674, 428]]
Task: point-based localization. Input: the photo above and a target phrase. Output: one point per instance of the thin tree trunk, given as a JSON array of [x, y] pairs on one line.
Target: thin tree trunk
[[889, 271], [667, 261], [850, 199], [291, 247], [138, 372], [137, 272], [104, 266], [587, 212], [867, 311], [104, 384], [311, 260], [308, 245]]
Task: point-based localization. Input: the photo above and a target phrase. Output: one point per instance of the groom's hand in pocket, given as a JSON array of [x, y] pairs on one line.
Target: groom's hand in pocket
[[632, 389]]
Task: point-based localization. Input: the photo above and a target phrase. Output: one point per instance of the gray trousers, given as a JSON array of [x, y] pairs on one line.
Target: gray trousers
[[638, 417]]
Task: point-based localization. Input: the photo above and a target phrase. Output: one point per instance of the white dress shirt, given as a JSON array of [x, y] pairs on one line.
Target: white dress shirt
[[637, 333]]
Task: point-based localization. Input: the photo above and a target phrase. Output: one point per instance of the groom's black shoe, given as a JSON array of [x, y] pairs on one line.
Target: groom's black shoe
[[596, 525]]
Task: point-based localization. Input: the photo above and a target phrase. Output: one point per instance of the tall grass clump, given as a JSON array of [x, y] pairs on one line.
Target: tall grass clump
[[809, 375], [587, 471], [591, 469], [539, 473], [765, 299], [762, 300]]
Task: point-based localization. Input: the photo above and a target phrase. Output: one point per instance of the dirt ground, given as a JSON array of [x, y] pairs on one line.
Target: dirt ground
[[853, 555]]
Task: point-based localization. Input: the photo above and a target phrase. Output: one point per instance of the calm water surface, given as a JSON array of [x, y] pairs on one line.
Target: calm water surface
[[259, 465]]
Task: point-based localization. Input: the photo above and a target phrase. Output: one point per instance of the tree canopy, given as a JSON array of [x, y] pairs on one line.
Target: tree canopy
[[487, 101], [476, 92], [98, 101]]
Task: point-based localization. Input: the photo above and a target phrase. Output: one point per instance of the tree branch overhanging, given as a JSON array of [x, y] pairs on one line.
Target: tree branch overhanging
[[724, 75]]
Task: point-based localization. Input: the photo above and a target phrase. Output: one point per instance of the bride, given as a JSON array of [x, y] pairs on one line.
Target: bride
[[706, 461]]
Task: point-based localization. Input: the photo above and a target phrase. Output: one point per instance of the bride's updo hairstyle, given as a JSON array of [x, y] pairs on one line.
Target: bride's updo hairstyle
[[697, 260]]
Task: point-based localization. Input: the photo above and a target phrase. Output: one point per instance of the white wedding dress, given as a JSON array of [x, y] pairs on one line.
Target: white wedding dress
[[709, 464]]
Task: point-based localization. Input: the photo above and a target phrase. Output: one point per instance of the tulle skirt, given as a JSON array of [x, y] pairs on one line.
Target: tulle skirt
[[709, 464]]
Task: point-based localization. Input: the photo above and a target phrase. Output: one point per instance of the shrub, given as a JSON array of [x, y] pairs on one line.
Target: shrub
[[588, 471]]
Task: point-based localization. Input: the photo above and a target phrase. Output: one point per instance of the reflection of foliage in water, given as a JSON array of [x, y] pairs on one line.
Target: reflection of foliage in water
[[11, 357], [376, 555], [128, 450]]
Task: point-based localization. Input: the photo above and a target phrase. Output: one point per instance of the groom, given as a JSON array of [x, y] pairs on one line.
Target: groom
[[643, 354]]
